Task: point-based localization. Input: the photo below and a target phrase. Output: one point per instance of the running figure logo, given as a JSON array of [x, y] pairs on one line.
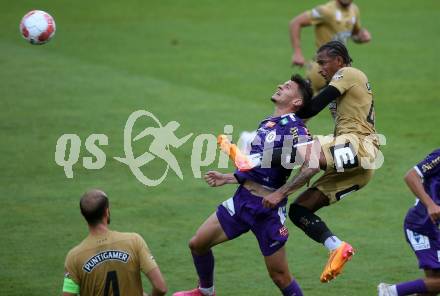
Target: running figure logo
[[163, 138]]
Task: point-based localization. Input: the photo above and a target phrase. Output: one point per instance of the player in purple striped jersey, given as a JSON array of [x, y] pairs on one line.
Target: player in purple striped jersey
[[244, 211], [421, 228]]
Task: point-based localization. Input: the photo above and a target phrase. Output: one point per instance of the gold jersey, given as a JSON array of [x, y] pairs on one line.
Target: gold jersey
[[105, 264], [354, 108], [334, 22]]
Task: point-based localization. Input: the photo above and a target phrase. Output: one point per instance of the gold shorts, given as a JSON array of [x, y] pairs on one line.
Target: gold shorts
[[316, 79], [348, 169]]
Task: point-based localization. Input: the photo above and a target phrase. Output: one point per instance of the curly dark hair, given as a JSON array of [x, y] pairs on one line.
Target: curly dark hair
[[336, 48]]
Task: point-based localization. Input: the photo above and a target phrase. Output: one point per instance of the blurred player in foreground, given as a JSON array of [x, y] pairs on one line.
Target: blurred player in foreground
[[244, 211], [421, 228], [349, 155], [109, 262], [335, 20]]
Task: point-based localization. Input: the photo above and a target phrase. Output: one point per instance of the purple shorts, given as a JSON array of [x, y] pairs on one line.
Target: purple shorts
[[426, 246], [244, 212]]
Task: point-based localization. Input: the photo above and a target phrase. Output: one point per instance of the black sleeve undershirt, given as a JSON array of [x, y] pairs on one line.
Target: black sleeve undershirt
[[319, 102]]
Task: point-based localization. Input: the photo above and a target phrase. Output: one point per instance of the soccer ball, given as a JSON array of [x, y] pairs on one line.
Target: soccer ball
[[37, 27]]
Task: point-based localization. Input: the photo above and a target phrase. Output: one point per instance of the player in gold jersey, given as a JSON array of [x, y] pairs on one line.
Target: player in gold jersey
[[109, 262], [335, 20], [347, 158]]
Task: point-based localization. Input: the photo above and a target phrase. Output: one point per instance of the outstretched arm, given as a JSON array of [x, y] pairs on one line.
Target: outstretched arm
[[302, 20], [215, 179], [414, 182]]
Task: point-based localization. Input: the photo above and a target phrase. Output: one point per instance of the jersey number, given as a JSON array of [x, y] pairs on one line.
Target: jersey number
[[371, 115], [344, 157], [111, 279]]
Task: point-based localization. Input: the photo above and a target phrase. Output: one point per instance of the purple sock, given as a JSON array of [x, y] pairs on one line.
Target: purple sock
[[292, 290], [205, 268], [409, 288]]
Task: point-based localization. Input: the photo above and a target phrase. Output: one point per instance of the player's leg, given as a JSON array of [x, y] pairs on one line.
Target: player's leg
[[271, 234], [432, 282], [279, 272], [430, 286], [329, 188], [426, 249], [219, 227], [302, 213], [421, 287], [326, 190], [209, 234]]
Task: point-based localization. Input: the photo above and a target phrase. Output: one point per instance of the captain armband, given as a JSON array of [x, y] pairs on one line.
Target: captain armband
[[69, 286]]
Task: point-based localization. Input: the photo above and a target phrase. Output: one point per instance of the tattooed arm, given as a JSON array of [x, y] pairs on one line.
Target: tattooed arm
[[311, 154]]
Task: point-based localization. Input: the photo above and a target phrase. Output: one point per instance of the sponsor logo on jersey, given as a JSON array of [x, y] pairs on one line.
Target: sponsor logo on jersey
[[432, 164], [274, 244], [368, 85], [284, 121], [271, 137], [262, 130], [270, 124], [292, 117], [294, 132], [338, 76], [115, 255], [284, 231], [418, 241]]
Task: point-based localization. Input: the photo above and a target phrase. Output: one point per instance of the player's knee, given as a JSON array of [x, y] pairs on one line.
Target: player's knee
[[281, 278], [296, 212], [196, 246], [192, 244]]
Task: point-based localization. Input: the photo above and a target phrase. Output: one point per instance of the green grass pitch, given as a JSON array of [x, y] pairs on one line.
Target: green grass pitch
[[204, 64]]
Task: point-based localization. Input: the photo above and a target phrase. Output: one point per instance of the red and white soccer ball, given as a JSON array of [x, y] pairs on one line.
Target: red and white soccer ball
[[37, 27]]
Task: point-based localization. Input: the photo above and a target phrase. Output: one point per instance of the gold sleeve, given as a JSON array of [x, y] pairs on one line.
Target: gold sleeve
[[146, 259], [343, 80], [70, 269], [317, 15]]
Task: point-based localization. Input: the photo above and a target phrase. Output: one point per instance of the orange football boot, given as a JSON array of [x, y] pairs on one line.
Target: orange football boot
[[241, 161], [336, 262]]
